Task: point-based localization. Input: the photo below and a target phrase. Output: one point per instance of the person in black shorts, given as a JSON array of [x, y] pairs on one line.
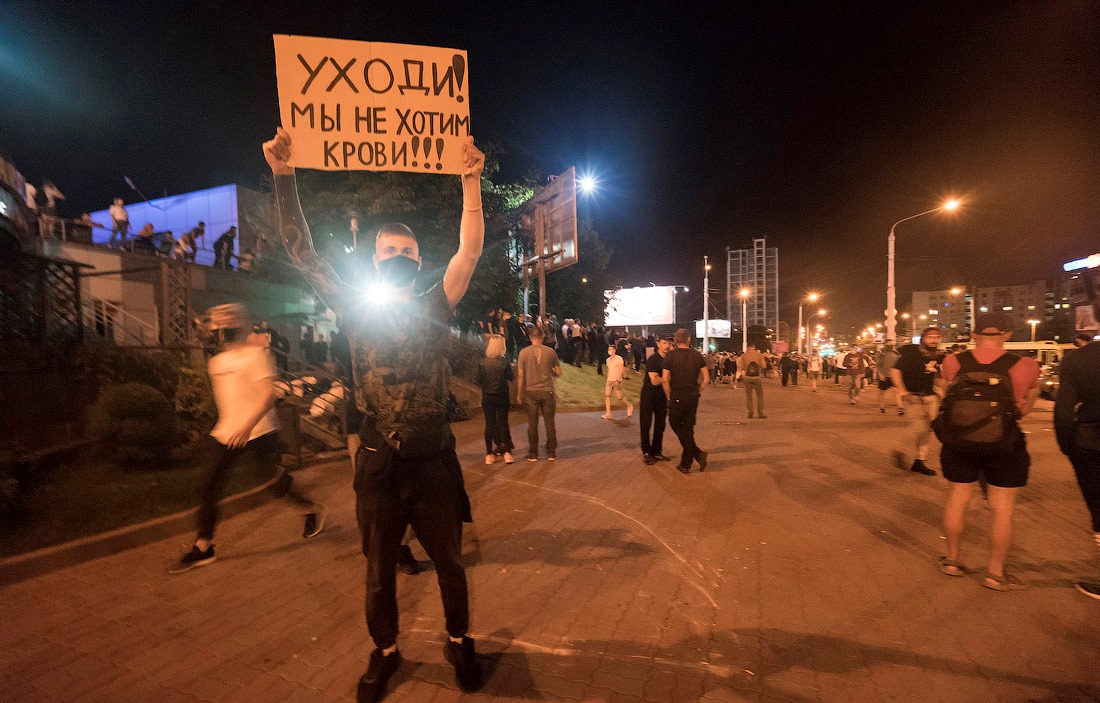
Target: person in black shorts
[[1006, 471]]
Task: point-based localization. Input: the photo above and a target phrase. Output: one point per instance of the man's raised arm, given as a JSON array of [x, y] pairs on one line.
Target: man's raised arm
[[293, 229], [471, 233]]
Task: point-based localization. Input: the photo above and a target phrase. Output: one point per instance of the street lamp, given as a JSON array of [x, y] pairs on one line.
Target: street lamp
[[812, 298], [891, 291], [1034, 324], [706, 307], [811, 316], [744, 293]]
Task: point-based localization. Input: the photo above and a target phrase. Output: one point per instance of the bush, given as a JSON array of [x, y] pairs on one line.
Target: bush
[[99, 366], [134, 423], [17, 471], [194, 401]]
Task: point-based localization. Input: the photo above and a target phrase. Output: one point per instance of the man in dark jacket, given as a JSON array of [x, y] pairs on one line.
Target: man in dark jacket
[[1077, 427]]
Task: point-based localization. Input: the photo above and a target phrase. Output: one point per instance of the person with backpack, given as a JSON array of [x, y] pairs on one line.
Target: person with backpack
[[751, 364], [988, 391], [914, 376], [1077, 428]]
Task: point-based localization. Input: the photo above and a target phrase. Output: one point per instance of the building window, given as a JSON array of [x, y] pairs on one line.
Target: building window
[[1006, 308]]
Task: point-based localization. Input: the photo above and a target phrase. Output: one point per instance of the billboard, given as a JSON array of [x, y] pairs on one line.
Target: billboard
[[634, 307], [718, 329]]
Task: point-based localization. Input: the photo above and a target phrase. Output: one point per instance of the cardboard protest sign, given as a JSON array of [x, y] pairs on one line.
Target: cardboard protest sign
[[353, 105]]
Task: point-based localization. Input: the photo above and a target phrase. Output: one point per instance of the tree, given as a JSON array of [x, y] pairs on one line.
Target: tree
[[432, 207]]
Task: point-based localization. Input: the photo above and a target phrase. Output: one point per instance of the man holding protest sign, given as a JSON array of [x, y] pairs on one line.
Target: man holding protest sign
[[407, 471]]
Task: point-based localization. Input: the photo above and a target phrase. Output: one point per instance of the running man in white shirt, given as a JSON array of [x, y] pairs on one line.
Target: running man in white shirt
[[243, 378], [615, 364]]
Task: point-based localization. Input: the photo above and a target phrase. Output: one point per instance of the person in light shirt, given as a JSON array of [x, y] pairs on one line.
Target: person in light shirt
[[615, 364], [243, 379]]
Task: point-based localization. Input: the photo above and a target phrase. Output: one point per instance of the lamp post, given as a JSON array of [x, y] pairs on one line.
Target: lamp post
[[744, 319], [891, 291], [964, 291], [706, 310], [811, 316], [1034, 324], [812, 298]]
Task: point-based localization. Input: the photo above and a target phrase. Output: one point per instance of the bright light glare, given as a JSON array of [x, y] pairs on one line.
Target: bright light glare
[[822, 311], [744, 292], [587, 183], [951, 205], [956, 291], [379, 293], [812, 297]]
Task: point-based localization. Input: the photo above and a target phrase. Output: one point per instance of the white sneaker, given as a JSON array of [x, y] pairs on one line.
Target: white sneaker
[[488, 459], [508, 458]]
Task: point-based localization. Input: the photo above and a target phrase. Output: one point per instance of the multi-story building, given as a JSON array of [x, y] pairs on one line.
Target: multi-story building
[[953, 309], [757, 270]]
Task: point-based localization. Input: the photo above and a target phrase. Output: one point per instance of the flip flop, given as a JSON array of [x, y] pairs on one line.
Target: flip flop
[[1003, 583], [952, 568]]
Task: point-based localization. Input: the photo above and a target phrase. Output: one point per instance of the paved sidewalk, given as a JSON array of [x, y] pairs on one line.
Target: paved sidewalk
[[800, 567]]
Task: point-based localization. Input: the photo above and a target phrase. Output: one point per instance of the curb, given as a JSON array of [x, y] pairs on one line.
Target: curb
[[42, 561]]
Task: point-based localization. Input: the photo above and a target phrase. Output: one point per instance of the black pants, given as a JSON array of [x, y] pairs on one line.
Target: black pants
[[681, 418], [497, 435], [1086, 465], [427, 493], [217, 460], [578, 351], [653, 408], [790, 374]]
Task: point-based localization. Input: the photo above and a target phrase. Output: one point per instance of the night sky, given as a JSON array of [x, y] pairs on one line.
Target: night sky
[[815, 124]]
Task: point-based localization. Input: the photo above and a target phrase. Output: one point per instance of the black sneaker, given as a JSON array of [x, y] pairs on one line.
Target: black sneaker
[[532, 457], [406, 562], [468, 672], [1090, 589], [194, 558], [315, 522], [662, 457], [648, 459], [919, 467], [683, 469], [372, 685], [702, 461]]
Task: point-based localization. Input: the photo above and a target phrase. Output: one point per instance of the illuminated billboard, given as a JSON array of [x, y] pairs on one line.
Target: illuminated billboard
[[719, 329], [635, 307]]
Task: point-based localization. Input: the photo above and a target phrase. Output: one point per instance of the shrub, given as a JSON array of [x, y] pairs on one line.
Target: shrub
[[17, 471], [194, 401], [134, 423], [99, 366]]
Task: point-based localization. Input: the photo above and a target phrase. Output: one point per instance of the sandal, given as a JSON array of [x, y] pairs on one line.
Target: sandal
[[952, 568], [1003, 583]]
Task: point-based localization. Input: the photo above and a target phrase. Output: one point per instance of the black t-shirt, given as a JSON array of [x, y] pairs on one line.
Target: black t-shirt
[[683, 366], [919, 368], [653, 364]]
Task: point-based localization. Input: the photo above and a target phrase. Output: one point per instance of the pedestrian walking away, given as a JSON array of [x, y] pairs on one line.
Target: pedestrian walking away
[[855, 365], [684, 378], [407, 471], [493, 374], [653, 405], [915, 376], [536, 369], [751, 367], [1077, 428], [884, 364], [989, 390], [615, 366], [243, 380]]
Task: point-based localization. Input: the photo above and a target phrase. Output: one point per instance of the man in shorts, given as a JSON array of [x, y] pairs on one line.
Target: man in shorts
[[615, 365], [1006, 472], [915, 374]]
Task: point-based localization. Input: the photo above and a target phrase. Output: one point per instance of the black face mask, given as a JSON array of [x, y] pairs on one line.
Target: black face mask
[[398, 271]]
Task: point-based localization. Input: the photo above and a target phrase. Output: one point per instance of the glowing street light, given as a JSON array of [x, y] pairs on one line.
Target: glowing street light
[[744, 293], [891, 291], [587, 183], [1034, 324], [812, 298]]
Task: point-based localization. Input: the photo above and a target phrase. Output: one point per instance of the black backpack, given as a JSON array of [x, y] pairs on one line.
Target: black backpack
[[978, 412], [752, 369]]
